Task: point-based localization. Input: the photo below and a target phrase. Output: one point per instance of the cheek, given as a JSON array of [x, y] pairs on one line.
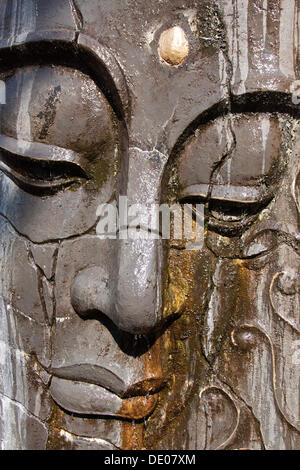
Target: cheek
[[25, 324], [76, 341], [66, 214], [182, 340]]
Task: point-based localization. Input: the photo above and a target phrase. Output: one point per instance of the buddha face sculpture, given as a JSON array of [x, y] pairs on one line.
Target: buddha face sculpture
[[109, 341]]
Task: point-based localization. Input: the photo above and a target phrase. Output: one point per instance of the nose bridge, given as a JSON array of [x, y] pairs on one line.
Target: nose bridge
[[138, 299]]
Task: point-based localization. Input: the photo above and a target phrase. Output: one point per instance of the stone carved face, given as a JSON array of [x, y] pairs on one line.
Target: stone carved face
[[133, 344], [55, 180]]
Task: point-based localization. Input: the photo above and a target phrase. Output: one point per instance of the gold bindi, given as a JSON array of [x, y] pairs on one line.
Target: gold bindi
[[173, 46]]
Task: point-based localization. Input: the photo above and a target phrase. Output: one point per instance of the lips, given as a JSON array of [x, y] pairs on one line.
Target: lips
[[93, 390]]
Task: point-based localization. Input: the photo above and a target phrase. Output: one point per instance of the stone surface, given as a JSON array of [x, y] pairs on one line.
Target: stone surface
[[108, 343]]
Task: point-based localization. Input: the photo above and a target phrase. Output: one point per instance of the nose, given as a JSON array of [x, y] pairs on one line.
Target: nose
[[137, 304], [127, 290]]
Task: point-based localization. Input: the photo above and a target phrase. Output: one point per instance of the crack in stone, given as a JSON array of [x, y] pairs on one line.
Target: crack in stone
[[90, 231], [8, 306], [40, 276], [225, 157], [153, 150], [229, 74], [77, 15], [25, 410]]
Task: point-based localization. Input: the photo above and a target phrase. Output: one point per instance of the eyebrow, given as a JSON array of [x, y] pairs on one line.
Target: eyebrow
[[37, 150]]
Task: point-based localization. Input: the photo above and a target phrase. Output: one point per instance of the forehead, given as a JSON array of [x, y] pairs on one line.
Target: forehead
[[164, 99], [135, 22]]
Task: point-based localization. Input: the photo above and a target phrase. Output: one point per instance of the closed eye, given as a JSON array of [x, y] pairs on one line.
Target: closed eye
[[40, 176], [232, 211], [229, 218]]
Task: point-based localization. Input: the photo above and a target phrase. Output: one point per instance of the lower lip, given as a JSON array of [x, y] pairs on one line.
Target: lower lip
[[90, 399]]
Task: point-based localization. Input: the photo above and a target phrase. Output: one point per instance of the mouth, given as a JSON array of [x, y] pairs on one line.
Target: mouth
[[92, 390]]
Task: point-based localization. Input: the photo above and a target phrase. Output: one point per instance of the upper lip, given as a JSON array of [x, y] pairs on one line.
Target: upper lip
[[98, 375]]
